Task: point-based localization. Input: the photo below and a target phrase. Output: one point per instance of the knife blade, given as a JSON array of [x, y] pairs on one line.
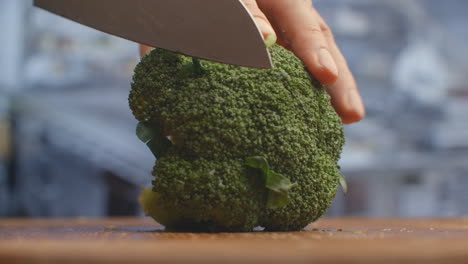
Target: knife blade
[[217, 30]]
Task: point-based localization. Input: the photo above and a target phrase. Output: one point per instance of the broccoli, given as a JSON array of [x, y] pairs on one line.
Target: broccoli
[[236, 147]]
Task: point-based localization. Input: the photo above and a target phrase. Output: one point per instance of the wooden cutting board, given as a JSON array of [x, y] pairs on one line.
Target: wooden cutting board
[[141, 240]]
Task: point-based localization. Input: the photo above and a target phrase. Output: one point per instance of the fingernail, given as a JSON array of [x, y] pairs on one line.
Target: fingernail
[[326, 61], [265, 28], [355, 103]]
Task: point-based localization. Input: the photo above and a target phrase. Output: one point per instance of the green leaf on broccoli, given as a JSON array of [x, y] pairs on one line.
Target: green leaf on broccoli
[[258, 162], [144, 132], [343, 184], [277, 200], [277, 184], [197, 67], [153, 138]]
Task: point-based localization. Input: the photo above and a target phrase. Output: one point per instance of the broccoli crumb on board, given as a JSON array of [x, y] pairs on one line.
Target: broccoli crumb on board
[[236, 147]]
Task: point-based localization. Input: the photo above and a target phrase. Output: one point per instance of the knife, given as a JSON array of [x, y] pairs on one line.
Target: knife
[[217, 30]]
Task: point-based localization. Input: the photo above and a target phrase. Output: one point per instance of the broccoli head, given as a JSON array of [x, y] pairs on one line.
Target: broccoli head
[[236, 147]]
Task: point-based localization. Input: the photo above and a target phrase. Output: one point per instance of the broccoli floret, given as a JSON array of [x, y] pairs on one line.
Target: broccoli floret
[[248, 147]]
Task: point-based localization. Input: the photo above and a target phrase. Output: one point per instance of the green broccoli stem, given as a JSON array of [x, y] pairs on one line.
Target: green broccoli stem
[[197, 67]]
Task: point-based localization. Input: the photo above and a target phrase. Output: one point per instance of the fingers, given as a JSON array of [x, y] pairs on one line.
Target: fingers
[[299, 30], [260, 19], [144, 50], [344, 92]]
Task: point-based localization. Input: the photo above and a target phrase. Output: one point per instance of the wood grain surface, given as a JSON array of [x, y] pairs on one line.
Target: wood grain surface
[[141, 240]]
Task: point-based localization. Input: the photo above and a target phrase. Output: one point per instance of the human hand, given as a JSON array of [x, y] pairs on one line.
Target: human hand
[[298, 26]]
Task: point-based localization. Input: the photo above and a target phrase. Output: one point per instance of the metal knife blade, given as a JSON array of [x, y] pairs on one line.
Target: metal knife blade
[[217, 30]]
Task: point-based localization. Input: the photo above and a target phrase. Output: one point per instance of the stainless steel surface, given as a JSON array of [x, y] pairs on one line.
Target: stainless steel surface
[[222, 31]]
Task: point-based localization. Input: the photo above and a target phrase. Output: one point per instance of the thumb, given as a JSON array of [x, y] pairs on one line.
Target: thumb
[[144, 50]]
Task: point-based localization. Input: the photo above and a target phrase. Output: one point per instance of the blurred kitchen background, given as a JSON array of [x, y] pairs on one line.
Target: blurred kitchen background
[[67, 141]]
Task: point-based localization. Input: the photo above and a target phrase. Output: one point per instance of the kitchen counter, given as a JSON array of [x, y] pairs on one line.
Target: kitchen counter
[[141, 240]]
